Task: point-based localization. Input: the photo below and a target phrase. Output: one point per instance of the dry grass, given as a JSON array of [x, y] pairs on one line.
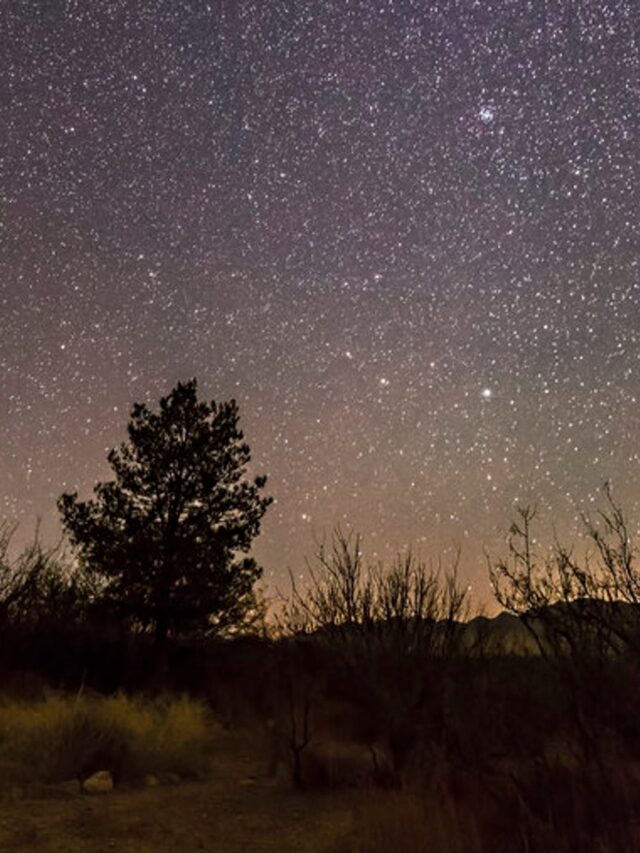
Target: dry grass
[[233, 810], [415, 821], [464, 817], [238, 808], [65, 737]]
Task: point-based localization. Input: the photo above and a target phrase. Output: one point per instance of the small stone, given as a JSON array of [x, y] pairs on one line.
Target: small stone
[[173, 779], [100, 783], [151, 781]]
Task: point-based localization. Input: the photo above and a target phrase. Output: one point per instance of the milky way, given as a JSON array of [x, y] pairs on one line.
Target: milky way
[[403, 235]]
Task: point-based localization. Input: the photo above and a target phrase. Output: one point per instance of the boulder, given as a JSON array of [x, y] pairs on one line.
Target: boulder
[[100, 783]]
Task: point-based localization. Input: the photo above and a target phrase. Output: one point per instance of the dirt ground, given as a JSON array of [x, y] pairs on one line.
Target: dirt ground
[[236, 809]]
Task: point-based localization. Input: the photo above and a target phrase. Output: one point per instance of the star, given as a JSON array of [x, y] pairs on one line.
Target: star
[[408, 250]]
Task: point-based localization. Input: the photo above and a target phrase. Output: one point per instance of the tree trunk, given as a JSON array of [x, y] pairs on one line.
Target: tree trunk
[[161, 652]]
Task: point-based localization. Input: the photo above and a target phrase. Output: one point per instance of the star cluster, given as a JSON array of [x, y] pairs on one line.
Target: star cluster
[[403, 235]]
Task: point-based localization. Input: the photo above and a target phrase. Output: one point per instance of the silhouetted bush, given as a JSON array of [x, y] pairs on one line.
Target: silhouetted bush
[[386, 636]]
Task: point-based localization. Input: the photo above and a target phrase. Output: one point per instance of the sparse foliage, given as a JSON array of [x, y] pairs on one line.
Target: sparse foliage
[[584, 614], [408, 605], [571, 605], [40, 585], [387, 632]]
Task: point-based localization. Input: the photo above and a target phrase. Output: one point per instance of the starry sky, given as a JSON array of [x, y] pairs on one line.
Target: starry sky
[[404, 235]]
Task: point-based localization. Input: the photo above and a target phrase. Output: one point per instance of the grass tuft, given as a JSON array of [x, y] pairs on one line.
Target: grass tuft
[[65, 737]]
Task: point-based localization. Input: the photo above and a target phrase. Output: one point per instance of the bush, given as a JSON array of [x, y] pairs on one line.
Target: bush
[[66, 737]]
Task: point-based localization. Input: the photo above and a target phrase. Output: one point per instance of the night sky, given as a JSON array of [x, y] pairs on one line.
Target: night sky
[[403, 234]]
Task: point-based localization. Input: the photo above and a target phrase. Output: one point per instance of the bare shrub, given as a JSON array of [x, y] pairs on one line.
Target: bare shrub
[[572, 606], [583, 613], [40, 585], [387, 635]]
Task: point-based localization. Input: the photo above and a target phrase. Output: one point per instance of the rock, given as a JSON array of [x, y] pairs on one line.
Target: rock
[[173, 779], [100, 783], [151, 781]]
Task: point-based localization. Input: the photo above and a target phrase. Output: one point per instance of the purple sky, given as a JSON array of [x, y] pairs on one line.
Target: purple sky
[[403, 235]]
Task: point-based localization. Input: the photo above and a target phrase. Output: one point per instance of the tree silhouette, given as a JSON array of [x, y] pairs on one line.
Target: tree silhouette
[[167, 535]]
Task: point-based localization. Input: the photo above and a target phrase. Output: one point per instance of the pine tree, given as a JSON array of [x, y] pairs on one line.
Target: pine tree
[[169, 535]]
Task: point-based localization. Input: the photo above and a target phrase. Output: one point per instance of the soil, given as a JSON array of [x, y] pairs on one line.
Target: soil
[[236, 808]]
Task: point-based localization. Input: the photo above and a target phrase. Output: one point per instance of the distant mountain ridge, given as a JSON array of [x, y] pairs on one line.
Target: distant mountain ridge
[[576, 623], [508, 634]]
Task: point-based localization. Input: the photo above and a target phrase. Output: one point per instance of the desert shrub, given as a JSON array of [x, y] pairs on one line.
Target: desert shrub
[[407, 821], [388, 635], [336, 764], [539, 809], [581, 607], [40, 586], [64, 737]]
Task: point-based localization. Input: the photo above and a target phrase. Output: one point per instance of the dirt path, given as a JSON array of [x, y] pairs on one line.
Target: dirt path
[[236, 809]]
